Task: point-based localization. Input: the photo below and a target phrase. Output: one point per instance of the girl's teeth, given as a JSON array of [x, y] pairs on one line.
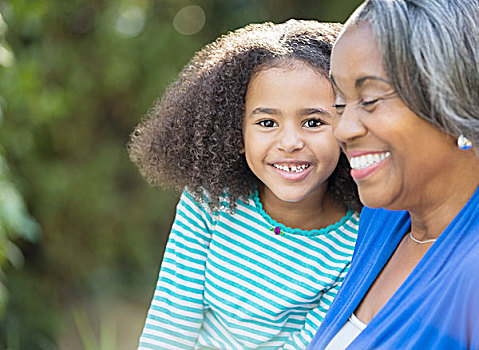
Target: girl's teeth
[[292, 168], [367, 160]]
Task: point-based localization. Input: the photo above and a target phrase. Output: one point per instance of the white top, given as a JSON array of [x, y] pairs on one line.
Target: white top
[[347, 334]]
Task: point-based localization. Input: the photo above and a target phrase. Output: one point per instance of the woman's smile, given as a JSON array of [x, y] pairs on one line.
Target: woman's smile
[[366, 163]]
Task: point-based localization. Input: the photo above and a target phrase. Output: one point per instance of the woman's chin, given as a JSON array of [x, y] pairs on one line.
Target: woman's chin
[[373, 200]]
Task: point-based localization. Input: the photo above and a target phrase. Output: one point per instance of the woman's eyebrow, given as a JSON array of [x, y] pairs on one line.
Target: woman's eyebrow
[[362, 80], [332, 80], [336, 88]]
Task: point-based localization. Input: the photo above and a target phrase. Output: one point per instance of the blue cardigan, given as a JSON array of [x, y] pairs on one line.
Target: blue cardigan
[[437, 306]]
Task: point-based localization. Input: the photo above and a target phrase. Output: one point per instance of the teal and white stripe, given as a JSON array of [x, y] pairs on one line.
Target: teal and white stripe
[[228, 282]]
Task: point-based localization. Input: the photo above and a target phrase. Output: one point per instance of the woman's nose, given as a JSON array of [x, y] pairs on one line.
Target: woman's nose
[[348, 125]]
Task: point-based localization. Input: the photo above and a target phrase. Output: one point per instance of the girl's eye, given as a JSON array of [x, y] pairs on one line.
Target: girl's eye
[[267, 123], [312, 123]]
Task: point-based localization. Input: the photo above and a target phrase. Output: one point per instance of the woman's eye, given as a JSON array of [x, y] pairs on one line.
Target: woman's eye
[[369, 103], [339, 107], [313, 123], [268, 123]]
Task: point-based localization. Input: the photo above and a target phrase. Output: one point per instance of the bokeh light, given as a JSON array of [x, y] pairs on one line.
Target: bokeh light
[[7, 59], [131, 21], [189, 20], [3, 26]]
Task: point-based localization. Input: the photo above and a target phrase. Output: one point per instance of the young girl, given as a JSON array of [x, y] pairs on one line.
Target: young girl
[[265, 229]]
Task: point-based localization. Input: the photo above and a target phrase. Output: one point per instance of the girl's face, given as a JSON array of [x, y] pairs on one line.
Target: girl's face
[[398, 160], [288, 138]]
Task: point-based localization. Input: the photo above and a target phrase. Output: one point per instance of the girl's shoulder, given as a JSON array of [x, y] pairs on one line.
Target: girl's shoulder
[[200, 200]]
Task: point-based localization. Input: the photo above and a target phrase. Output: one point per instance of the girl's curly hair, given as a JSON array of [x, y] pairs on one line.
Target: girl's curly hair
[[193, 135]]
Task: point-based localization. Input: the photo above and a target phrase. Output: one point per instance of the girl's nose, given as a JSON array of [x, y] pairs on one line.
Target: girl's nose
[[290, 140]]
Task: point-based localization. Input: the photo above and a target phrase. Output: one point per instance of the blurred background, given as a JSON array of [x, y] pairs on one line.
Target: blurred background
[[81, 233]]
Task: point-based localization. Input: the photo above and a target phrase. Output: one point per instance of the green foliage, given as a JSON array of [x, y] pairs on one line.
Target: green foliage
[[107, 332], [15, 222], [83, 74]]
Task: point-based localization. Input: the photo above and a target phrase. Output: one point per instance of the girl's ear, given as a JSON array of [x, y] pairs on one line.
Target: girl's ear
[[241, 147]]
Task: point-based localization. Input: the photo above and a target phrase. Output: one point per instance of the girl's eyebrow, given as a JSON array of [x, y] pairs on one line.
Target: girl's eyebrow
[[303, 111], [264, 110], [315, 110]]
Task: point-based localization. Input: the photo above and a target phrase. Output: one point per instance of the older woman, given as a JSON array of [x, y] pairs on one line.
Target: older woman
[[406, 78]]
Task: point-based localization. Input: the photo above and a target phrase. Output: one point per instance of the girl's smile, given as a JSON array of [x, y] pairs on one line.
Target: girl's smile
[[292, 170]]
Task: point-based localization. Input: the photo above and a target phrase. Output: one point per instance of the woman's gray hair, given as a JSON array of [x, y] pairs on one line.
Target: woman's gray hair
[[430, 51]]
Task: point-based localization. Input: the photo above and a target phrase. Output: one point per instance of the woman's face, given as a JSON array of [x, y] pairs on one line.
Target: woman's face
[[398, 160], [288, 139]]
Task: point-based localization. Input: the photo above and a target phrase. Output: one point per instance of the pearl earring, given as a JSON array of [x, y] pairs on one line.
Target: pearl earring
[[463, 142]]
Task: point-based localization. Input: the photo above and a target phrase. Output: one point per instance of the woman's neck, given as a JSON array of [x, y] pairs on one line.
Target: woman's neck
[[316, 211], [444, 200]]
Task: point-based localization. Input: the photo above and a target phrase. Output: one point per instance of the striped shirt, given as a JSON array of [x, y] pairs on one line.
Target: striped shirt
[[227, 281]]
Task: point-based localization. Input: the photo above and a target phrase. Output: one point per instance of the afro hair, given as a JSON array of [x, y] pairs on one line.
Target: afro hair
[[193, 135]]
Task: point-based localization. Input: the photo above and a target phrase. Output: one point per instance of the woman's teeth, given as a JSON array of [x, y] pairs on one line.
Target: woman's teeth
[[367, 160], [292, 168]]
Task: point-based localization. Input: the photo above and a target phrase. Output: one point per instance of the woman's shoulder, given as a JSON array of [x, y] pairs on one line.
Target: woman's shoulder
[[377, 224], [376, 216], [466, 265], [460, 287]]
